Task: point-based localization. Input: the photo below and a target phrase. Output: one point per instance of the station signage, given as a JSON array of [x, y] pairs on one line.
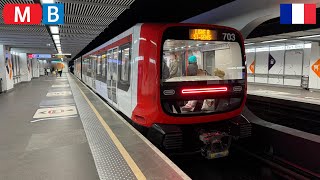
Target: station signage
[[202, 34], [48, 56], [39, 56], [48, 14], [61, 55]]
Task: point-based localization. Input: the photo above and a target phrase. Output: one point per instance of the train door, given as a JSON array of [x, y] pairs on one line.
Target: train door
[[112, 75]]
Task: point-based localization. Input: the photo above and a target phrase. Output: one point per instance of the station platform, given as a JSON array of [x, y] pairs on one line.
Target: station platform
[[57, 128], [285, 93]]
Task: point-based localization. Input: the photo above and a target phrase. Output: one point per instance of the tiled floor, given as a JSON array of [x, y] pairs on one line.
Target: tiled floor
[[50, 130], [49, 144]]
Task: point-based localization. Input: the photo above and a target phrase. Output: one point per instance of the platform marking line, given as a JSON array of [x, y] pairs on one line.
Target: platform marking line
[[46, 119], [154, 148], [60, 105], [59, 93], [60, 85], [135, 169]]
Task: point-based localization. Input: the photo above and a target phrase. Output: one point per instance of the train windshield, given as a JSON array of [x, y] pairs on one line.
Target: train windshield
[[203, 71], [188, 60]]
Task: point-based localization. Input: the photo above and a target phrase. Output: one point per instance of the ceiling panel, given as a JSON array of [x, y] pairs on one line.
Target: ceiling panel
[[291, 38], [24, 36], [84, 20]]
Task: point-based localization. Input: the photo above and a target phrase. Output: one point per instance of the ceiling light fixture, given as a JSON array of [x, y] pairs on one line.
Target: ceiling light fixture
[[276, 40], [304, 37], [248, 44], [54, 29], [47, 1], [56, 37]]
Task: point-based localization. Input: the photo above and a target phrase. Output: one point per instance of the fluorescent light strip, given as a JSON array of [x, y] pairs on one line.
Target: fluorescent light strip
[[47, 1], [278, 48], [276, 40], [56, 37], [54, 29], [248, 44], [304, 37]]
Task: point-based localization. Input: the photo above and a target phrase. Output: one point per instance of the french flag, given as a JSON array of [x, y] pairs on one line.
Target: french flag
[[298, 14]]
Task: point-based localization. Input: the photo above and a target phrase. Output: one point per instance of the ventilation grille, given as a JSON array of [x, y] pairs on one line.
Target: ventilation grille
[[173, 141]]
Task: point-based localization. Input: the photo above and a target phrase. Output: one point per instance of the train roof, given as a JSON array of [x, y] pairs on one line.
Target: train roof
[[130, 31]]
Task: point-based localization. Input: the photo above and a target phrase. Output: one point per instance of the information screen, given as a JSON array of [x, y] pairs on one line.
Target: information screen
[[202, 34]]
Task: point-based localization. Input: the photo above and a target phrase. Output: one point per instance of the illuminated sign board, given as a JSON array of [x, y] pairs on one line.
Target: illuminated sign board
[[38, 56], [202, 34], [56, 61], [48, 13], [61, 55]]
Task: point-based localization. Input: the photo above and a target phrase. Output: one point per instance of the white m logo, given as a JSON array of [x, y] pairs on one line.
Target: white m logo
[[17, 14]]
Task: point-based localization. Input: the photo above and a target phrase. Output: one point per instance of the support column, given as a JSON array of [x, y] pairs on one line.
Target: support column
[[25, 71], [35, 68], [6, 72]]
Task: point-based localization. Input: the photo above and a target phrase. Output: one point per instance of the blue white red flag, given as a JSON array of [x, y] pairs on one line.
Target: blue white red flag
[[298, 14]]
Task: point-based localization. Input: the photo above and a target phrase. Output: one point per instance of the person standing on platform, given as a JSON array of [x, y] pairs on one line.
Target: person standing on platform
[[173, 67], [60, 71], [48, 71]]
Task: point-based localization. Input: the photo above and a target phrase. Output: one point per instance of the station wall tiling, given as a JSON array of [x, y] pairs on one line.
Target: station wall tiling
[[283, 64]]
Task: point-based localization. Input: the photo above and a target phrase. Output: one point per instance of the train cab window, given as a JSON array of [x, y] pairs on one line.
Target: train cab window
[[124, 67], [197, 60], [201, 76]]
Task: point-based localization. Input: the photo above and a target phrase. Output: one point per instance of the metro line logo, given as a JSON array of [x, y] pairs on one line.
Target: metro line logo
[[32, 14]]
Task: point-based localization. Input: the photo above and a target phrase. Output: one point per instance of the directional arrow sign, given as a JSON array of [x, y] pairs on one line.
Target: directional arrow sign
[[316, 68]]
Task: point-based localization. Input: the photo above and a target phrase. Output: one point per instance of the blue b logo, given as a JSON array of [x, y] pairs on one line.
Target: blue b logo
[[53, 14]]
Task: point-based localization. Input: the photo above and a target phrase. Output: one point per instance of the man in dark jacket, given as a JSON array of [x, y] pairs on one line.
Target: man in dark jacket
[[192, 70]]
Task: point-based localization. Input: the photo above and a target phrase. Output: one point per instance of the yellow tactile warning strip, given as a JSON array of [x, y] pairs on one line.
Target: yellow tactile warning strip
[[135, 169]]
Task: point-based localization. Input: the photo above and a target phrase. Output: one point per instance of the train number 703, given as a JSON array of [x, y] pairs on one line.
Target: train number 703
[[229, 36]]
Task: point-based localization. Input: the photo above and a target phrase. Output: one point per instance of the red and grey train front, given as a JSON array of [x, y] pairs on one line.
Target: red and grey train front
[[202, 90]]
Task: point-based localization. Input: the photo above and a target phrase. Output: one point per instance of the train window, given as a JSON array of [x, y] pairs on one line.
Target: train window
[[189, 60], [125, 64], [99, 65], [124, 67], [114, 64], [103, 70], [201, 76]]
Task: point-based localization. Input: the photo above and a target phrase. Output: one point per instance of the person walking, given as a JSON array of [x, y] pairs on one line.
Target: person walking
[[60, 71]]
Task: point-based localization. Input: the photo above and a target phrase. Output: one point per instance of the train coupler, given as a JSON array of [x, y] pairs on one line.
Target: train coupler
[[216, 144]]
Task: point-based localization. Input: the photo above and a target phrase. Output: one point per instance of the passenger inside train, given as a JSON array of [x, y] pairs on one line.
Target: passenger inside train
[[198, 61]]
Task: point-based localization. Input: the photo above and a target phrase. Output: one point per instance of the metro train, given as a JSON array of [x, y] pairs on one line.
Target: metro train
[[182, 85]]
